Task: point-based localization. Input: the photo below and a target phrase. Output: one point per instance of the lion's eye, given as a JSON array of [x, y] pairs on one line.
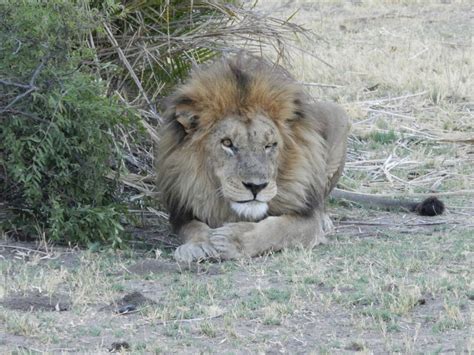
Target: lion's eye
[[270, 146], [226, 142]]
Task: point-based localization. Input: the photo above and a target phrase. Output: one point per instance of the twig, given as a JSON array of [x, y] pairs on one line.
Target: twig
[[158, 213], [390, 113], [394, 224], [151, 131], [23, 248], [419, 133], [125, 61], [388, 99], [52, 350], [31, 85], [420, 195], [458, 138], [11, 83], [418, 54], [310, 54], [190, 320], [27, 114], [127, 270], [199, 319], [322, 85], [38, 70], [19, 97]]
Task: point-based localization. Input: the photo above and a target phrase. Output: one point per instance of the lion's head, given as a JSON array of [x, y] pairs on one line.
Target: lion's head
[[244, 155], [231, 148]]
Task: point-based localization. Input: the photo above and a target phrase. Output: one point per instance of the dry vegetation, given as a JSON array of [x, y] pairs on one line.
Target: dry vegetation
[[388, 282], [404, 73]]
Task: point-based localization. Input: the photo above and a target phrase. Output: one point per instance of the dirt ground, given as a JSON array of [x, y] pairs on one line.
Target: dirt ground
[[387, 282], [375, 288]]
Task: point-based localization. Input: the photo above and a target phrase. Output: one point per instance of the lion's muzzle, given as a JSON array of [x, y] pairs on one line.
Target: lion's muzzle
[[253, 210]]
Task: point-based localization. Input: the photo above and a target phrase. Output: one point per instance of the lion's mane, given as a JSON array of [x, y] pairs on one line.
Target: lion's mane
[[239, 85]]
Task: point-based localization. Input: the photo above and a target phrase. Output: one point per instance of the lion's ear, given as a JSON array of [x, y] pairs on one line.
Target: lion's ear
[[188, 120], [185, 113]]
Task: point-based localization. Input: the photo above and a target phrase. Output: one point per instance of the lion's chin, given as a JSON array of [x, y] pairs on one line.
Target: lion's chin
[[250, 210]]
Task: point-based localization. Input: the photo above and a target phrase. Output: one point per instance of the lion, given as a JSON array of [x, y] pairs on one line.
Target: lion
[[246, 161]]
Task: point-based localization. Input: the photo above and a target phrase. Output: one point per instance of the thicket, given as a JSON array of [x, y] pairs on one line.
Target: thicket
[[56, 138]]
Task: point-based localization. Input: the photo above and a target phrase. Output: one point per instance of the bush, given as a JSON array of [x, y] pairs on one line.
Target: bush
[[56, 137]]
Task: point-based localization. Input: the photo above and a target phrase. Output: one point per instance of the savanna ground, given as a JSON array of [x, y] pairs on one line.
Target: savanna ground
[[387, 282]]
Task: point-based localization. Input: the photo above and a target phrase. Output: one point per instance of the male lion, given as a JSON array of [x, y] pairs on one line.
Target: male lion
[[247, 160]]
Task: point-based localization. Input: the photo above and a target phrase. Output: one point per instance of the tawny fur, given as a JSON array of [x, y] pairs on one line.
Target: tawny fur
[[308, 163]]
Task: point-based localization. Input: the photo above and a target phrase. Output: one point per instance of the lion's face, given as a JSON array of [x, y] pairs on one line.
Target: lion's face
[[243, 155]]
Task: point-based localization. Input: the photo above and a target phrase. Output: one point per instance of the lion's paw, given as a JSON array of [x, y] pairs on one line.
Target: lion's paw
[[195, 252], [223, 242]]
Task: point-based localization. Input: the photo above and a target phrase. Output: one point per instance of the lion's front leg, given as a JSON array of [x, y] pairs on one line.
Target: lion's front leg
[[235, 240], [196, 247]]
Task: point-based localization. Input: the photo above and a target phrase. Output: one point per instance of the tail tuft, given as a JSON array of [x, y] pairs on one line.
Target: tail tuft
[[430, 207]]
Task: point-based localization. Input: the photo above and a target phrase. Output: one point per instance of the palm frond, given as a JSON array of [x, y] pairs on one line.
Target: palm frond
[[154, 43]]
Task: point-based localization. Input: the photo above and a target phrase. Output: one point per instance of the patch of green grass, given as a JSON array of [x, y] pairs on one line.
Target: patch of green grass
[[383, 137], [357, 345], [176, 330], [18, 323], [271, 319], [119, 333], [94, 331], [118, 287], [208, 329], [140, 346], [277, 295], [379, 314], [357, 298], [446, 324], [311, 280], [450, 318], [253, 301]]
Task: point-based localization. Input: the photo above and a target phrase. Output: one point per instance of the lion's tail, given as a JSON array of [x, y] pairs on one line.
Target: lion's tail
[[431, 206]]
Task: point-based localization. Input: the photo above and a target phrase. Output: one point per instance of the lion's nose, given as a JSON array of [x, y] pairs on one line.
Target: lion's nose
[[255, 188]]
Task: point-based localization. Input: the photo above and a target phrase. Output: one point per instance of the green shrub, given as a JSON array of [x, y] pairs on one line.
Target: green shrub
[[56, 137]]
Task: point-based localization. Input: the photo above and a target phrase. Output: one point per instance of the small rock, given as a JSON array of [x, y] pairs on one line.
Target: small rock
[[127, 309], [119, 346], [421, 301], [355, 346]]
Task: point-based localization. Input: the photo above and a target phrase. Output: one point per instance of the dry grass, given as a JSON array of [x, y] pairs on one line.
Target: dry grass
[[404, 73], [386, 283]]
